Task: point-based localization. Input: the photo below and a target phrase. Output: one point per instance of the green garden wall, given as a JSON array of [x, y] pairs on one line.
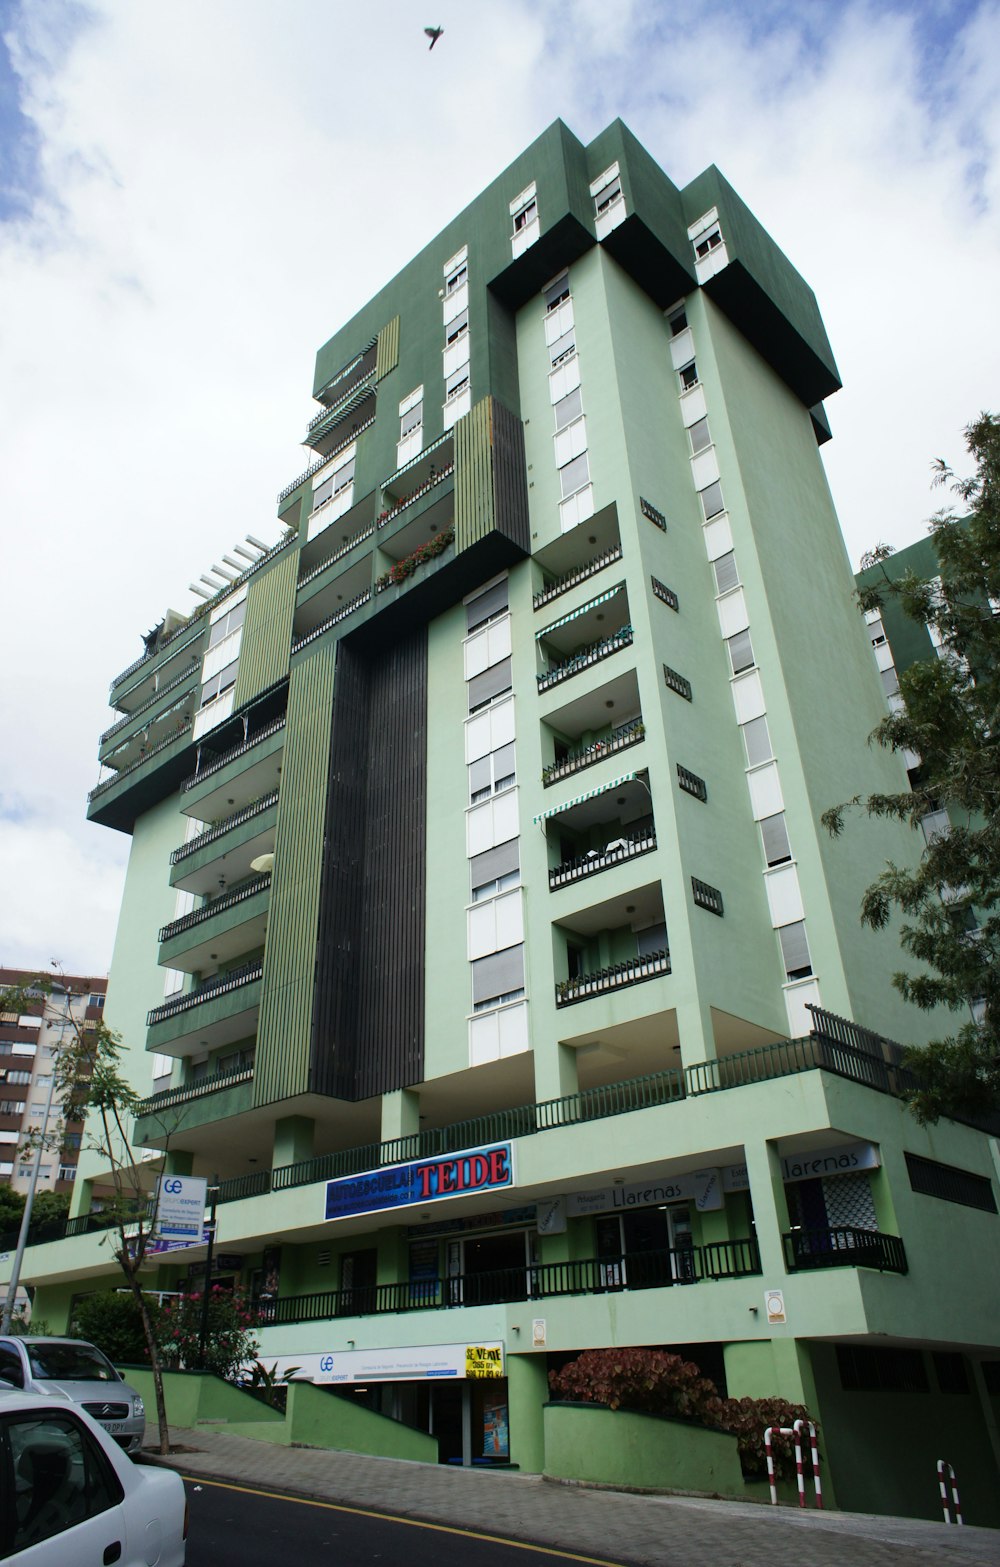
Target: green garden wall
[[620, 1447]]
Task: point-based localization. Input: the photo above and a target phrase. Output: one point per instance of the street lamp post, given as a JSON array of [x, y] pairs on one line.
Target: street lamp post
[[29, 1202]]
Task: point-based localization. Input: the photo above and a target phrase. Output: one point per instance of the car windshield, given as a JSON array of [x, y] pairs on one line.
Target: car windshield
[[70, 1363]]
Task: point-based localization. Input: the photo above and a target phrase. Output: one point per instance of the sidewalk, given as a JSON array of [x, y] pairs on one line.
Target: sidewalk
[[647, 1531]]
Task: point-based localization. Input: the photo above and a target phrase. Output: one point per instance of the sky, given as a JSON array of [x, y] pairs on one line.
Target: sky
[[195, 195]]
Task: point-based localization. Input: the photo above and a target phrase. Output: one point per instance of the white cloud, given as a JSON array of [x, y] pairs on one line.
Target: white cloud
[[227, 184]]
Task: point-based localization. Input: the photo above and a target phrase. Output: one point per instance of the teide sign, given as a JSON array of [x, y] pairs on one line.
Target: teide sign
[[422, 1181], [811, 1165]]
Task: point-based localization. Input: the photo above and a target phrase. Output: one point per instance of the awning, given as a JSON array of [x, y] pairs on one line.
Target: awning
[[575, 614], [578, 799]]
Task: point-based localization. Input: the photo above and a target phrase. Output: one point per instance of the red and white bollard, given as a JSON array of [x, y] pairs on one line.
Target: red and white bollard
[[944, 1469], [794, 1431]]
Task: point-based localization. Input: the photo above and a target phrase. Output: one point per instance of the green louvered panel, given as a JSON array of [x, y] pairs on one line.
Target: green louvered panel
[[282, 1062], [387, 352], [474, 510], [267, 630]]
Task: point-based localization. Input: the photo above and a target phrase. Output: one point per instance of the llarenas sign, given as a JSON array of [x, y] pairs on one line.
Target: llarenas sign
[[489, 1169]]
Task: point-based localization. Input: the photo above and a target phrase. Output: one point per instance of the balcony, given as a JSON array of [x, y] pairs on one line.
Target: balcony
[[174, 741], [420, 501], [230, 924], [555, 586], [237, 839], [176, 681], [597, 860], [585, 658], [218, 1012], [423, 472], [843, 1246], [344, 420], [617, 976], [348, 608], [616, 739], [321, 461], [236, 776], [140, 733], [151, 665], [212, 1098], [408, 565], [736, 1259], [323, 552]]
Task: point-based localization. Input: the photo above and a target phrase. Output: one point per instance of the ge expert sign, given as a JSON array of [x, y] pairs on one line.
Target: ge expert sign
[[424, 1180]]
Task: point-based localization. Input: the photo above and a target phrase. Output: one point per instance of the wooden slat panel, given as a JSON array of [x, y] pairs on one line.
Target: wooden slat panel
[[282, 1064], [387, 351], [474, 506], [267, 629]]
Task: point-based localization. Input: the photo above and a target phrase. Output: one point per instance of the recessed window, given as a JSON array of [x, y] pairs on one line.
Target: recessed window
[[563, 347], [774, 835], [726, 575], [757, 742], [677, 321], [495, 870], [795, 950], [412, 419], [708, 242], [607, 193], [215, 687], [711, 500], [689, 376], [338, 481], [456, 382], [227, 624], [457, 328], [699, 436], [456, 277], [574, 475], [557, 291], [492, 774], [527, 214], [568, 408], [499, 977], [740, 652]]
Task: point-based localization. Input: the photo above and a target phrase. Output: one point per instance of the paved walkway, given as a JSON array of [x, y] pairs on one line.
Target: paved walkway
[[647, 1531]]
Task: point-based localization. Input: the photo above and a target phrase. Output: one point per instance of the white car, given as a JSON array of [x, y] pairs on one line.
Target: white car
[[70, 1497]]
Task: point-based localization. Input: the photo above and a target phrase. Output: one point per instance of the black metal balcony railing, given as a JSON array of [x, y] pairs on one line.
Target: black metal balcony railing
[[147, 756], [154, 652], [438, 477], [332, 620], [735, 1259], [569, 579], [327, 420], [585, 658], [219, 985], [321, 462], [350, 379], [632, 972], [843, 1246], [144, 707], [625, 848], [228, 900], [338, 554], [168, 1097], [232, 754], [248, 812], [618, 740]]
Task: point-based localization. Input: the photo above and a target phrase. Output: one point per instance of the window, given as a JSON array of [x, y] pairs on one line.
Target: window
[[525, 215], [689, 376], [96, 1000], [607, 193], [677, 321], [487, 606], [890, 680], [492, 774], [491, 683], [498, 978], [563, 347], [795, 950], [456, 382], [699, 436], [412, 419], [708, 242], [43, 1082], [65, 1476], [228, 623], [866, 1369], [711, 500], [495, 870], [726, 574], [774, 834], [568, 408], [574, 475], [740, 652], [557, 291], [456, 277], [457, 328], [18, 1077], [757, 741], [338, 481], [932, 1179], [67, 1172], [218, 684]]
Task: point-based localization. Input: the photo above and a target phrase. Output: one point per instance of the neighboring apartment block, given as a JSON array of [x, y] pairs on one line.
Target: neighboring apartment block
[[30, 1042], [478, 903]]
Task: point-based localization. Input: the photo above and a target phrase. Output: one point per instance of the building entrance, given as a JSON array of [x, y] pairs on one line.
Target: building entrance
[[645, 1248]]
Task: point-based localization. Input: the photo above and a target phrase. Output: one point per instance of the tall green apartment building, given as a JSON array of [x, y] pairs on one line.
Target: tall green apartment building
[[477, 896]]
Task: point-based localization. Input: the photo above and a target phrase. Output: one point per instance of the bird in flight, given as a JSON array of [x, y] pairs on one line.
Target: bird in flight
[[433, 33]]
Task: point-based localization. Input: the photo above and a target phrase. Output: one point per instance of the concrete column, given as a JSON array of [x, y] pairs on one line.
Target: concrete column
[[556, 1073], [767, 1193], [178, 1162], [400, 1114], [695, 1032], [527, 1392], [294, 1140]]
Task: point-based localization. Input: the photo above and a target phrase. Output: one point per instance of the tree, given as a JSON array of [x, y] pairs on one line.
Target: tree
[[949, 903], [229, 1344], [112, 1320]]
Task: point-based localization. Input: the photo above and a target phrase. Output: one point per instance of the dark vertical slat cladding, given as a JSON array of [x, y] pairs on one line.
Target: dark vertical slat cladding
[[368, 1021], [510, 487]]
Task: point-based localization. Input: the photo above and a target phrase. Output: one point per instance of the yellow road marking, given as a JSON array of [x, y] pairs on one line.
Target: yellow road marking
[[414, 1523]]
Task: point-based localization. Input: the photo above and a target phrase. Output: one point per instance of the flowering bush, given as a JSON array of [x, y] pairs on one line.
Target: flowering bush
[[655, 1382], [229, 1342]]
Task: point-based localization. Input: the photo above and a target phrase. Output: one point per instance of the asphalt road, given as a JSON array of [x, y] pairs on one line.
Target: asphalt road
[[239, 1526]]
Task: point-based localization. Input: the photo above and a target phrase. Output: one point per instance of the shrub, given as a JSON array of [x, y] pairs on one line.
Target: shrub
[[112, 1322], [655, 1382], [229, 1341]]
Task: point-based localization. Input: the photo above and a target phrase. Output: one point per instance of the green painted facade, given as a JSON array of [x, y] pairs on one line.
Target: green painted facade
[[627, 638]]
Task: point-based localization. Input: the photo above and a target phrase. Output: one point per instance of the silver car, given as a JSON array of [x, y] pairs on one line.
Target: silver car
[[70, 1368]]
